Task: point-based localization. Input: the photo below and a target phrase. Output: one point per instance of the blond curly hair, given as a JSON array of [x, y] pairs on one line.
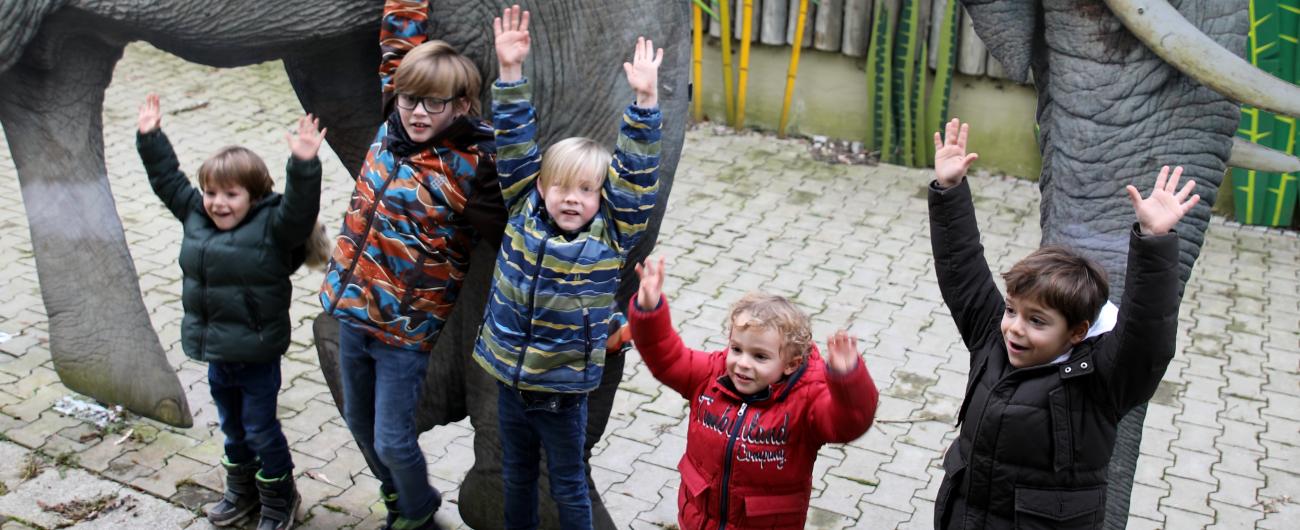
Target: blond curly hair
[[769, 311]]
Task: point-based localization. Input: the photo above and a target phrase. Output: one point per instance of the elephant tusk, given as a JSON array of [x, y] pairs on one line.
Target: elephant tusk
[[1167, 33], [1250, 155]]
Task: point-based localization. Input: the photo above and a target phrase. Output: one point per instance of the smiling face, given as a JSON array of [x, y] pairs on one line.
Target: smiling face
[[754, 359], [1036, 334], [572, 206], [226, 205], [572, 173]]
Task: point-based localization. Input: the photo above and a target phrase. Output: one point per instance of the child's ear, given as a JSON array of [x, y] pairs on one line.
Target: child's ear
[[541, 190], [461, 106], [1079, 332], [792, 364]]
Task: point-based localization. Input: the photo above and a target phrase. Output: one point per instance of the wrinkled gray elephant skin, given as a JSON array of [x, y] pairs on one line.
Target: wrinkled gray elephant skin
[[1111, 112], [52, 82]]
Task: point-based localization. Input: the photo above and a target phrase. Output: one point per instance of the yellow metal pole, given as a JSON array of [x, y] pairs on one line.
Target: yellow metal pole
[[724, 19], [794, 67], [746, 32], [697, 57]]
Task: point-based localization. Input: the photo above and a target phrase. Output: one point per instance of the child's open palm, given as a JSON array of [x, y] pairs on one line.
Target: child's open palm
[[652, 283], [1158, 213], [950, 158], [512, 38], [842, 352], [150, 114], [306, 141], [643, 72]]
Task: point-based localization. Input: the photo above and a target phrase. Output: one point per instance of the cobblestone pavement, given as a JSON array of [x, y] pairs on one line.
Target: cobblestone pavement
[[849, 243]]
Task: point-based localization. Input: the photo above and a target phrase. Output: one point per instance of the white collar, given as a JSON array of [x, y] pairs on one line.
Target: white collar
[[1105, 322]]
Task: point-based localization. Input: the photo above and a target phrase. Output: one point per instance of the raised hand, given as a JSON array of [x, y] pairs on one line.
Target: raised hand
[[950, 158], [652, 284], [306, 141], [150, 118], [643, 72], [1158, 213], [842, 349], [512, 41]]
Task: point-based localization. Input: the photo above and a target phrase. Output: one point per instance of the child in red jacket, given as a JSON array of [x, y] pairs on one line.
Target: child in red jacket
[[760, 409]]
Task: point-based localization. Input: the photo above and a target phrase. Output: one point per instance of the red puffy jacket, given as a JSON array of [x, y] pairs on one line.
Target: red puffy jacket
[[749, 460]]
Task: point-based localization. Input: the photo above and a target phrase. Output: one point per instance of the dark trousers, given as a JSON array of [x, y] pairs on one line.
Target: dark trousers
[[245, 394], [382, 385], [530, 421]]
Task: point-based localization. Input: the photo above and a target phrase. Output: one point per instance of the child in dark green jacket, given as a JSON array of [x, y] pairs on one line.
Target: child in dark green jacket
[[241, 243]]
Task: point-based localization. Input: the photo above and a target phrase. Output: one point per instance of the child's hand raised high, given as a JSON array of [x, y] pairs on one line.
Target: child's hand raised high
[[842, 350], [950, 158], [643, 73], [512, 42], [306, 141], [1158, 213], [652, 284], [150, 118]]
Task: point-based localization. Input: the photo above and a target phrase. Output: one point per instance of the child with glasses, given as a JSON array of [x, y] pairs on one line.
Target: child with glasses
[[426, 193], [574, 215]]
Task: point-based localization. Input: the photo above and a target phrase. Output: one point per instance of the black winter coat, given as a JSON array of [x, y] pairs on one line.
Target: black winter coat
[[236, 289], [1035, 442]]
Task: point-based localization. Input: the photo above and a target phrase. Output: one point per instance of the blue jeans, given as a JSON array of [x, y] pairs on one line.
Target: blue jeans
[[557, 422], [245, 395], [382, 385]]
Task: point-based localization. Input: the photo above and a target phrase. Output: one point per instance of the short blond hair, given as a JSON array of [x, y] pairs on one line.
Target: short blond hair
[[770, 311], [574, 160], [436, 69]]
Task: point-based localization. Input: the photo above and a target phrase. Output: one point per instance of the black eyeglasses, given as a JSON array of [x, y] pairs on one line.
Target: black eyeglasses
[[432, 105]]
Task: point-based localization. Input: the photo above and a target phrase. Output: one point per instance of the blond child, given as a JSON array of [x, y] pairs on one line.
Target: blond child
[[574, 214], [759, 409]]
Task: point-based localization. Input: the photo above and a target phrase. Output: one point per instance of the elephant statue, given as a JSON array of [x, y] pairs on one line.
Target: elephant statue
[[1125, 86], [57, 57]]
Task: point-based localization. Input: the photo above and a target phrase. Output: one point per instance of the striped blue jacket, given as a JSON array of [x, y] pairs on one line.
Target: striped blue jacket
[[552, 296]]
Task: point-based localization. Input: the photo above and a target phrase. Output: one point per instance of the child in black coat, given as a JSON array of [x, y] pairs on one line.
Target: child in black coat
[[241, 243], [1038, 420]]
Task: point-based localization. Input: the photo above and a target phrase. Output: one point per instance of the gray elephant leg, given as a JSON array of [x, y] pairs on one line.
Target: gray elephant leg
[[338, 83], [101, 340], [1123, 464]]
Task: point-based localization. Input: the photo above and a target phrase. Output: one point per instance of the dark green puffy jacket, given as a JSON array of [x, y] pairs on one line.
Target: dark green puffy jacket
[[236, 289]]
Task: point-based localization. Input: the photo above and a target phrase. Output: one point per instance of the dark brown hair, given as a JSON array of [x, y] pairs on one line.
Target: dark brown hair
[[236, 166], [1061, 279]]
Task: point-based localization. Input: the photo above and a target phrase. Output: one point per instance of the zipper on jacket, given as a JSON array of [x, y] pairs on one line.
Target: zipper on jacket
[[203, 298], [409, 295], [253, 320], [586, 332], [726, 466], [532, 305], [365, 234]]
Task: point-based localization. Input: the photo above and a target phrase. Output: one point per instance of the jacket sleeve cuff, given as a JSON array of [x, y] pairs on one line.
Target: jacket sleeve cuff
[[646, 324], [298, 169], [511, 91], [938, 194]]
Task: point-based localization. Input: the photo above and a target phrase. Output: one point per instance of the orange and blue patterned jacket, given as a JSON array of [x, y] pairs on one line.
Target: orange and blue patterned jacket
[[414, 217]]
